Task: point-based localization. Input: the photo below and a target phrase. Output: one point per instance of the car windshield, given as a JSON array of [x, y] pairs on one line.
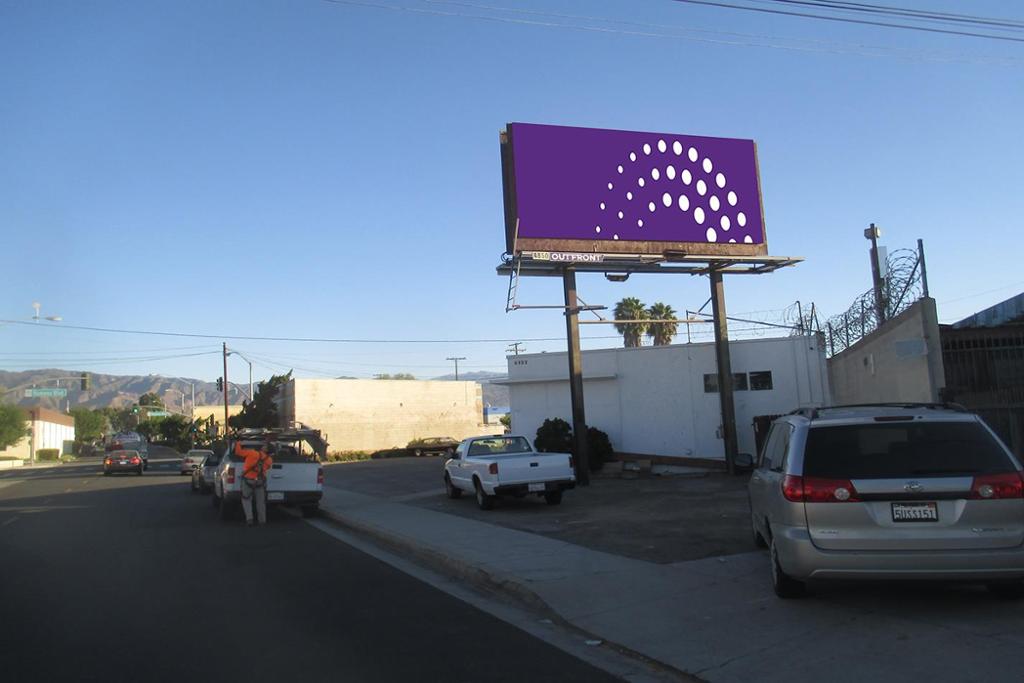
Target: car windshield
[[199, 454], [895, 450], [500, 446]]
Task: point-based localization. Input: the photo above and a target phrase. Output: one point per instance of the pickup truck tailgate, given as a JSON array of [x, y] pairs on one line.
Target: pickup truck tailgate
[[293, 476], [526, 468]]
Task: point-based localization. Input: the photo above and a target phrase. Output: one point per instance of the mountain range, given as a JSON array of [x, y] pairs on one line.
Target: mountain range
[[124, 390]]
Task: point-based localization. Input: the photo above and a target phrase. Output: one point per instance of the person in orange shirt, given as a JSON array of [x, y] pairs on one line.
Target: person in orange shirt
[[254, 479]]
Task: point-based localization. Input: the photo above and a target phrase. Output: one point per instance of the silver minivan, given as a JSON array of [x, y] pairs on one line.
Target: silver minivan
[[890, 491]]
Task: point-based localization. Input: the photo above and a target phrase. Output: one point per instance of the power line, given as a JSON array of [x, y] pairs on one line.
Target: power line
[[848, 20], [320, 340], [659, 31], [908, 12]]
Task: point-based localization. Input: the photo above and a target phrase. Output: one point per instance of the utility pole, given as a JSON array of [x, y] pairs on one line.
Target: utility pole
[[514, 348], [724, 362], [579, 415], [225, 387], [192, 412], [456, 365], [873, 233]]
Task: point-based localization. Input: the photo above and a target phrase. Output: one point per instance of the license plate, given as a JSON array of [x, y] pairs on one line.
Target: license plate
[[915, 512], [535, 487], [124, 462], [275, 495]]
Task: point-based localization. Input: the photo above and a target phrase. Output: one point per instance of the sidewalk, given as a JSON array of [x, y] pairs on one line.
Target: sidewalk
[[715, 618]]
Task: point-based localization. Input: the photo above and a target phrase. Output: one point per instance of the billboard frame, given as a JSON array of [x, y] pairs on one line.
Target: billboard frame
[[514, 244]]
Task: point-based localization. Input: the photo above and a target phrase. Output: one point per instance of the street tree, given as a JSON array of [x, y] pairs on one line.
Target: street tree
[[261, 411], [89, 424], [631, 308], [13, 425], [662, 333], [151, 399]]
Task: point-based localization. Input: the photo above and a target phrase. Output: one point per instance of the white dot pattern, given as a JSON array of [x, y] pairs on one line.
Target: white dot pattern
[[707, 193]]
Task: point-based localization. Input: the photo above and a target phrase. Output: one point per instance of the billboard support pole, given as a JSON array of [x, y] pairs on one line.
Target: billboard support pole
[[579, 417], [725, 392]]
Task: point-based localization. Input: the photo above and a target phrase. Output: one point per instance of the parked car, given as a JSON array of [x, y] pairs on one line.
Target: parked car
[[434, 445], [910, 491], [122, 461], [296, 477], [202, 476], [193, 460], [490, 466]]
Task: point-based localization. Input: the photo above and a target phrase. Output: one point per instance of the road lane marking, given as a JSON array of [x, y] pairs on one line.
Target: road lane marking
[[10, 521]]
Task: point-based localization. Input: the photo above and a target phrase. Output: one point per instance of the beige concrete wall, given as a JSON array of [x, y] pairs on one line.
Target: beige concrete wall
[[204, 412], [373, 414], [901, 361]]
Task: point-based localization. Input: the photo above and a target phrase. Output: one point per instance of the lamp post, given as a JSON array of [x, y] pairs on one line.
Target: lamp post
[[236, 353]]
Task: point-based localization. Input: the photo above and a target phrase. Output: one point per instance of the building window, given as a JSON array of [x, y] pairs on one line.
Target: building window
[[761, 381], [739, 382]]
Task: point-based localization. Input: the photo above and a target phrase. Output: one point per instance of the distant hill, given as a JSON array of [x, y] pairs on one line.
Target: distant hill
[[494, 394], [108, 390]]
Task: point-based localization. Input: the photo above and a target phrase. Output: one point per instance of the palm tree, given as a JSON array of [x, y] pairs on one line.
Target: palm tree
[[662, 333], [631, 308]]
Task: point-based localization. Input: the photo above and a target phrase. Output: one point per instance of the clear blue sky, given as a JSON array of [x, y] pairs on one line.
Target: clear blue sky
[[318, 169]]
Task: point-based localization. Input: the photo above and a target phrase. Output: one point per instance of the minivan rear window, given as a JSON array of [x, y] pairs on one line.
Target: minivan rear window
[[903, 450]]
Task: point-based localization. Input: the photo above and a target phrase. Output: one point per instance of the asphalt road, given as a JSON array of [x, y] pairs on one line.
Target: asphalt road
[[128, 578]]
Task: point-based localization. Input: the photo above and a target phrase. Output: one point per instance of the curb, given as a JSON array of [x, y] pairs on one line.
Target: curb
[[511, 590]]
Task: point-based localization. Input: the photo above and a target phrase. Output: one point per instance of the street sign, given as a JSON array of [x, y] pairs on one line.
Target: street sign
[[157, 413], [46, 392]]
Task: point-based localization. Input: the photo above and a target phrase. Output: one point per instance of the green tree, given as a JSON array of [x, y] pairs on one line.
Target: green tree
[[13, 425], [631, 308], [89, 424], [150, 399], [175, 431], [149, 428], [120, 419], [662, 333], [261, 411]]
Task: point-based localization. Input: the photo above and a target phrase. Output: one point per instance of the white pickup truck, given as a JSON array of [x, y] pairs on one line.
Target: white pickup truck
[[296, 477], [491, 466]]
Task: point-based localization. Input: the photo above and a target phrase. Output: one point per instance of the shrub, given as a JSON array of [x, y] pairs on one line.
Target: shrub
[[600, 448], [347, 456], [554, 436], [47, 454]]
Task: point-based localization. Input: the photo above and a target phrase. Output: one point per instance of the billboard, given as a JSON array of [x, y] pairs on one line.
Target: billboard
[[590, 190]]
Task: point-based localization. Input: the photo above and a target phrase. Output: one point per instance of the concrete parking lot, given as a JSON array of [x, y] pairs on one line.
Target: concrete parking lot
[[588, 564], [660, 519]]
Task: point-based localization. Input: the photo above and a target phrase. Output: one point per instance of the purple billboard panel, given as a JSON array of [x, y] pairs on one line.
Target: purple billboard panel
[[586, 189]]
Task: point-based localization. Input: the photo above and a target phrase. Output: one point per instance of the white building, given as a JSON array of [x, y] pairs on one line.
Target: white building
[[663, 400], [46, 429]]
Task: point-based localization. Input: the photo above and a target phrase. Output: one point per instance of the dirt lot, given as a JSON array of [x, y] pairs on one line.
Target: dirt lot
[[658, 519]]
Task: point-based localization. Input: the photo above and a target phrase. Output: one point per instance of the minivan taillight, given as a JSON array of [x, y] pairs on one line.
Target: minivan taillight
[[493, 468], [998, 486], [320, 476], [817, 490], [231, 475], [572, 463], [793, 488]]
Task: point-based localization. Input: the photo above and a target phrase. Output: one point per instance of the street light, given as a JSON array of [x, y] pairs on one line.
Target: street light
[[52, 318], [236, 353]]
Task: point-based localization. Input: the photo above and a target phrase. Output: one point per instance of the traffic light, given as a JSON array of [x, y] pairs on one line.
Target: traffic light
[[220, 384], [135, 410], [86, 381]]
